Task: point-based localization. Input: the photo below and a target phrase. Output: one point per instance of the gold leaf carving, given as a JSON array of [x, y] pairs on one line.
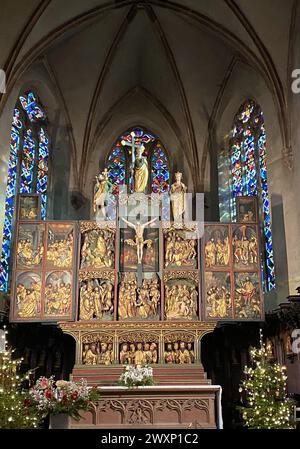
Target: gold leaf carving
[[190, 275], [91, 225], [87, 275]]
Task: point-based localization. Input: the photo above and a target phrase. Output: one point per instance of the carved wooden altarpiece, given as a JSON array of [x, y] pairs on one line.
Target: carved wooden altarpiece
[[85, 276]]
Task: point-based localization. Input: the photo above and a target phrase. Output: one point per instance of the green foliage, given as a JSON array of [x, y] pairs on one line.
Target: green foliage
[[14, 398], [265, 389]]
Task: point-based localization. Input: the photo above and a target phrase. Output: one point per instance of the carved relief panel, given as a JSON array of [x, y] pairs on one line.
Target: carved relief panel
[[139, 303], [43, 284]]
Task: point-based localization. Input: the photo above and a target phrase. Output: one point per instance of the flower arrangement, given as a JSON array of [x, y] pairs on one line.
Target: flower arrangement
[[51, 397], [136, 375]]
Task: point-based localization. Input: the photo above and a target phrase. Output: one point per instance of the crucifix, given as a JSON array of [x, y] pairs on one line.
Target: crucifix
[[139, 242], [139, 165]]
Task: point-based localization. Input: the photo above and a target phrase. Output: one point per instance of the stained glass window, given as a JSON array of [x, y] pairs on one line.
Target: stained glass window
[[15, 139], [248, 176], [116, 165], [33, 109], [121, 158], [160, 174], [27, 169], [42, 174], [28, 162]]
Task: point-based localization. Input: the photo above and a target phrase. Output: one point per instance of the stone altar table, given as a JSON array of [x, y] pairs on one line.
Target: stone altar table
[[155, 407]]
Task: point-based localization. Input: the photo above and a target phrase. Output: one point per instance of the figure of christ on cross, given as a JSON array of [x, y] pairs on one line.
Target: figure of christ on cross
[[139, 241], [139, 165]]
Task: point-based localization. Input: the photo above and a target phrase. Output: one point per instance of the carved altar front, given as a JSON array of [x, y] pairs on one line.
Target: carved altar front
[[177, 407]]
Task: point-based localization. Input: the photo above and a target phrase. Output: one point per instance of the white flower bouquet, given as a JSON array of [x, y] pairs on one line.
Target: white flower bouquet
[[136, 375]]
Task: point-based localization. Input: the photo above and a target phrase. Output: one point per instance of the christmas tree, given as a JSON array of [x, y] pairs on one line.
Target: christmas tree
[[268, 406], [15, 412]]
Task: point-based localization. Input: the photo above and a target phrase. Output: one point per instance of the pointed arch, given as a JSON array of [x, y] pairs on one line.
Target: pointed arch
[[28, 168], [119, 160], [242, 171]]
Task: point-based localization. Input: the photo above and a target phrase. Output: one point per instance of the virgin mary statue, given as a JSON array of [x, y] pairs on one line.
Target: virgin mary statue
[[141, 171]]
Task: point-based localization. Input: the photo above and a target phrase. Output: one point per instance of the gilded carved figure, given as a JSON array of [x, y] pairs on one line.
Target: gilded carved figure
[[140, 353], [139, 241], [96, 300], [138, 302], [58, 294], [219, 300], [27, 254], [246, 209], [179, 251], [218, 295], [124, 354], [98, 249], [179, 352], [97, 353], [28, 299], [181, 301], [247, 296], [245, 247], [217, 249], [28, 208], [60, 250]]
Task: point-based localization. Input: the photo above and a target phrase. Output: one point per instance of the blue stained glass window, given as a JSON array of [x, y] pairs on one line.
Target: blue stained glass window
[[120, 160], [10, 199], [27, 169], [160, 174], [28, 163], [42, 174], [249, 174], [33, 110], [116, 165]]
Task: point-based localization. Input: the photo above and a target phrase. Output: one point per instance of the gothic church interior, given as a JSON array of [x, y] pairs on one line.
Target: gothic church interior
[[135, 92]]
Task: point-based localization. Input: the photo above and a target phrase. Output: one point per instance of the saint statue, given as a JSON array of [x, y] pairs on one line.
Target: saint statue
[[141, 172], [102, 188], [178, 201], [139, 241]]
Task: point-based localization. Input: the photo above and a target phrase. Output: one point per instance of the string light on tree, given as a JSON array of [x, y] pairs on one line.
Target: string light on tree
[[265, 392], [14, 414]]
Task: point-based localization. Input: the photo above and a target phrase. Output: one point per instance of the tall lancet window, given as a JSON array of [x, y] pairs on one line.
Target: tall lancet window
[[243, 172], [121, 157], [27, 169]]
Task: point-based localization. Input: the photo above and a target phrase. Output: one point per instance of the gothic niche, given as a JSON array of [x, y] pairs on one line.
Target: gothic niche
[[139, 303], [179, 349], [97, 349], [96, 297], [138, 349]]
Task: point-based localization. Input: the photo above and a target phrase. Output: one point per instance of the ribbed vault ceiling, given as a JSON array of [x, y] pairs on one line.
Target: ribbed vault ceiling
[[173, 53]]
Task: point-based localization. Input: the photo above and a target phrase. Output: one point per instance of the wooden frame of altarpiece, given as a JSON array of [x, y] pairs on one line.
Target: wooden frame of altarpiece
[[36, 267]]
